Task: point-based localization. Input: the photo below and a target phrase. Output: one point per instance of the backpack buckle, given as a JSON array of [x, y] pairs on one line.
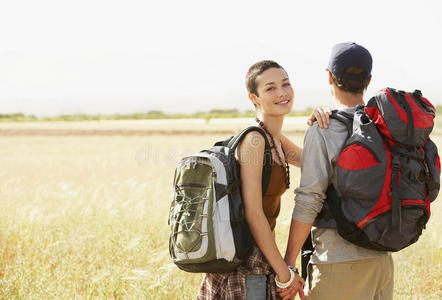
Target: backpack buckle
[[427, 175], [396, 162]]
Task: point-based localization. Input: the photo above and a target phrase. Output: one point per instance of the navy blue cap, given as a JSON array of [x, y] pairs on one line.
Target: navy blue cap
[[345, 55]]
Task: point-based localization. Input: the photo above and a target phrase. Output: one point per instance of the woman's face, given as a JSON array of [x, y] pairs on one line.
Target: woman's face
[[275, 92]]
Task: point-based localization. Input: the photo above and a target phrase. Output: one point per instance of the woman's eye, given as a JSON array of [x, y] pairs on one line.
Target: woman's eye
[[287, 84], [270, 89]]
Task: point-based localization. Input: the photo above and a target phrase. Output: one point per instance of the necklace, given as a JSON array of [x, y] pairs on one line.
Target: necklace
[[273, 146]]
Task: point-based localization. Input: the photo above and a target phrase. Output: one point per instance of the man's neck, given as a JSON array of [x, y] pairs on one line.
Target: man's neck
[[348, 100]]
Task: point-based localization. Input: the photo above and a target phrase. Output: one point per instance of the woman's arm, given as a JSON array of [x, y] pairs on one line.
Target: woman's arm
[[250, 155], [292, 151]]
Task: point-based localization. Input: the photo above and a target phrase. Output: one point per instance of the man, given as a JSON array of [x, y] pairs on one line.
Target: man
[[338, 269]]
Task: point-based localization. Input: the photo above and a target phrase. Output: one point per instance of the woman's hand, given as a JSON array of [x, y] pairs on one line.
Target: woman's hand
[[297, 287], [321, 115]]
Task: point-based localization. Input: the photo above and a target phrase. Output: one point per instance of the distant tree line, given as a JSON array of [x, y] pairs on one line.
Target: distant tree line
[[154, 114]]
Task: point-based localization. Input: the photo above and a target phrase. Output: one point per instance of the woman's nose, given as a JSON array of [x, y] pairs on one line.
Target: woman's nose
[[282, 93]]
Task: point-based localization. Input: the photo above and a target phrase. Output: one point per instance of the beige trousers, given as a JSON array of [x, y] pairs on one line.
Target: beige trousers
[[365, 279]]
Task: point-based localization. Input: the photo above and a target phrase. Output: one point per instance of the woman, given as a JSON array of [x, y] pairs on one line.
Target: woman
[[271, 93]]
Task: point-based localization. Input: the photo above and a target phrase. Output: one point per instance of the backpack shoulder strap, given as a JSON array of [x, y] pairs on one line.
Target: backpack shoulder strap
[[224, 142], [347, 119], [344, 117], [267, 167]]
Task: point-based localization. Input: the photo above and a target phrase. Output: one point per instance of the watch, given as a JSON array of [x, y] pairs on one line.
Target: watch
[[294, 269]]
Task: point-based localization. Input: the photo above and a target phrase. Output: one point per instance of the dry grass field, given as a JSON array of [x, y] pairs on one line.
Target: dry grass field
[[85, 217]]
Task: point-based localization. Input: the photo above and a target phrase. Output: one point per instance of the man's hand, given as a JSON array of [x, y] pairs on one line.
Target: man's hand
[[321, 115], [297, 287]]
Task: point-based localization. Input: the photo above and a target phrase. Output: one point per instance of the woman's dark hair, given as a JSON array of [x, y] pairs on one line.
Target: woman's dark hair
[[256, 70], [352, 86]]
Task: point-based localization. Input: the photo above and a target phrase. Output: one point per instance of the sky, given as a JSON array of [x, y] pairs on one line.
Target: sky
[[104, 56]]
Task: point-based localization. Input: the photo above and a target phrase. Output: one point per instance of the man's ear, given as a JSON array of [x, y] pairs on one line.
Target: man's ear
[[330, 77], [369, 79]]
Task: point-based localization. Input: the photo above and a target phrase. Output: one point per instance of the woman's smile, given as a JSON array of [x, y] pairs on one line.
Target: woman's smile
[[283, 102]]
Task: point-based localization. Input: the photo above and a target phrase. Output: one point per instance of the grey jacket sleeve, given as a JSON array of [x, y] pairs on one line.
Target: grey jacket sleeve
[[319, 155]]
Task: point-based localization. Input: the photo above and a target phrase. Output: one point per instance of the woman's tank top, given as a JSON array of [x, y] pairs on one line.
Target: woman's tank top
[[271, 201]]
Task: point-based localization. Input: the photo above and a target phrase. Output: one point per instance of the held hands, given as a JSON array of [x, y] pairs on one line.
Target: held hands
[[321, 115], [297, 287]]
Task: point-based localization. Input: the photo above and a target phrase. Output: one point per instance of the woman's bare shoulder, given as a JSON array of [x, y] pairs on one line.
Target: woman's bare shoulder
[[251, 146]]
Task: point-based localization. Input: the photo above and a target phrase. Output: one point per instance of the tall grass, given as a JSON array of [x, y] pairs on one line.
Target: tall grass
[[86, 218]]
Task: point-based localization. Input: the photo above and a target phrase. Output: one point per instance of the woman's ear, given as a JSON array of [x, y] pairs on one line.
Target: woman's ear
[[252, 98]]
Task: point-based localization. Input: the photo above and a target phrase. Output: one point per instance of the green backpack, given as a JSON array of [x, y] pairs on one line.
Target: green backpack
[[209, 230]]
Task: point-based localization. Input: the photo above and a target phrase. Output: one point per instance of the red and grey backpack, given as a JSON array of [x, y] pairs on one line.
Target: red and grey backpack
[[388, 172]]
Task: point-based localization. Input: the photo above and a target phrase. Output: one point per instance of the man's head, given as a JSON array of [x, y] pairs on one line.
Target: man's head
[[350, 67], [269, 88]]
